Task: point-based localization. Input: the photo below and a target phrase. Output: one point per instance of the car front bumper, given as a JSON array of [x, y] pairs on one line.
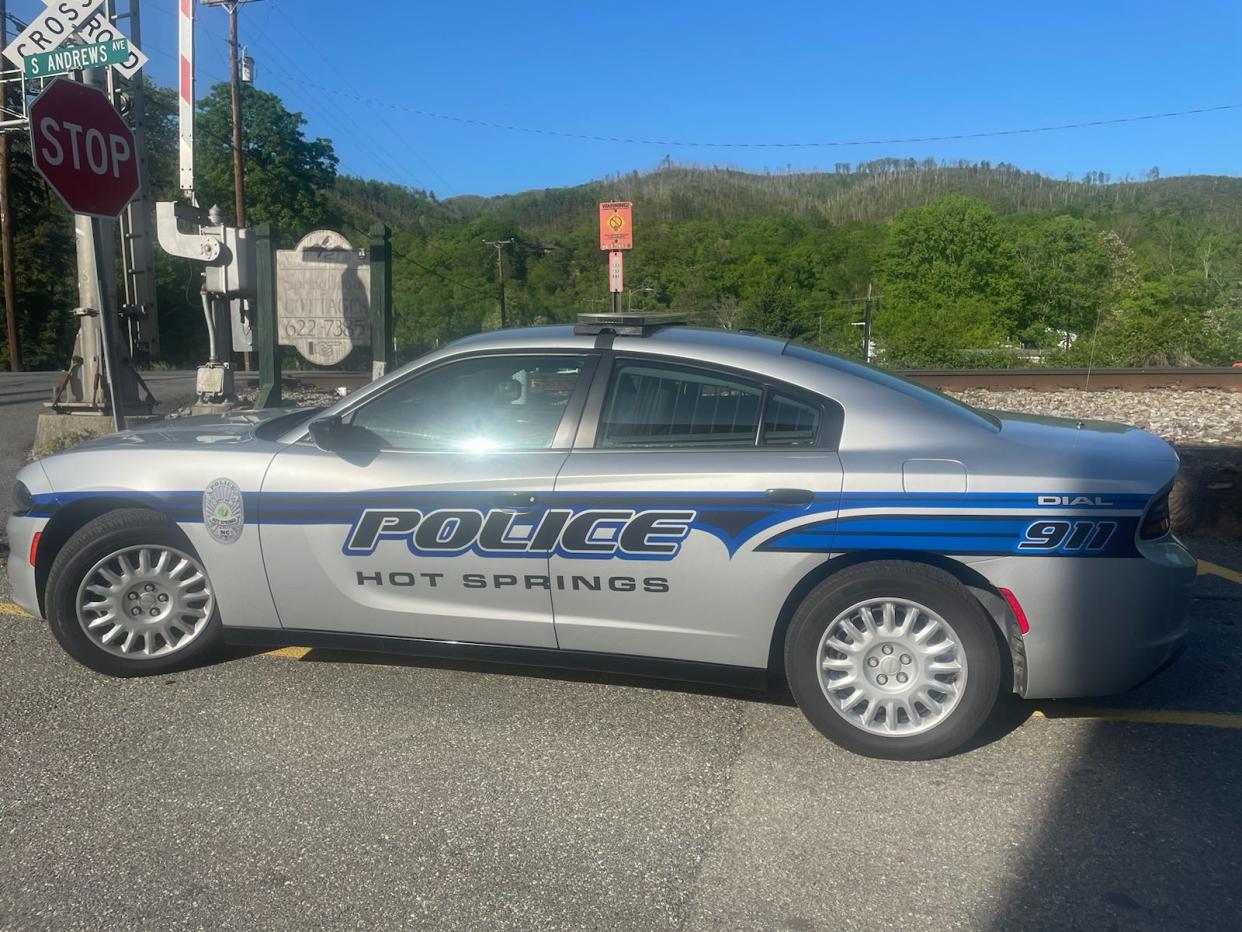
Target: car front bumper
[[1099, 626], [21, 532]]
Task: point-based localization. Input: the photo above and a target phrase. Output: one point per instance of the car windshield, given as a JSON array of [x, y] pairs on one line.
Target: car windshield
[[889, 380]]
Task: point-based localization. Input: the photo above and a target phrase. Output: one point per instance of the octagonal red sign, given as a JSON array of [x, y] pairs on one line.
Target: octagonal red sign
[[83, 148]]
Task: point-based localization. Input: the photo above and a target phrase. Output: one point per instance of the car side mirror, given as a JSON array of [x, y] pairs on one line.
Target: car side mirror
[[329, 433]]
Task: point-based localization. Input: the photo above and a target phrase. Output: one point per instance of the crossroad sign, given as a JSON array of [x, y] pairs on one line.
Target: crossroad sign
[[616, 225], [76, 58], [63, 19], [80, 144]]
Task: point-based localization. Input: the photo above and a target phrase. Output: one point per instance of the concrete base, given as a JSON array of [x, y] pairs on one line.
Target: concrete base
[[56, 432], [215, 407]]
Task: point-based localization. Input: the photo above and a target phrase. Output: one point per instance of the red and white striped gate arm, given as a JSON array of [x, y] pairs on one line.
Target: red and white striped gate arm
[[185, 95]]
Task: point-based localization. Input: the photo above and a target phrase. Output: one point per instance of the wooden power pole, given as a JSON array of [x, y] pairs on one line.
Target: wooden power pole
[[6, 214], [500, 276]]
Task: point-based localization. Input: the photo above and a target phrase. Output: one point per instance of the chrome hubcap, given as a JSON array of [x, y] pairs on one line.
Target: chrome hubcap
[[891, 667], [145, 602]]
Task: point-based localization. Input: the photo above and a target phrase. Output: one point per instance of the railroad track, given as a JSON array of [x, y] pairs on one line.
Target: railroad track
[[1039, 380]]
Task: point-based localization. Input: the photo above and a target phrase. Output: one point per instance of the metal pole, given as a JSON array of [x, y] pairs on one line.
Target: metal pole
[[6, 217], [106, 324], [867, 326]]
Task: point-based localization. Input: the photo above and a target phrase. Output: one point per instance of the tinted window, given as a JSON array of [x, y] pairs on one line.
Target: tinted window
[[482, 404], [789, 423], [670, 406]]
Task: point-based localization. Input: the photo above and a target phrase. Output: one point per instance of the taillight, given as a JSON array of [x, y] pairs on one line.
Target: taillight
[[1019, 616], [34, 546], [1156, 522]]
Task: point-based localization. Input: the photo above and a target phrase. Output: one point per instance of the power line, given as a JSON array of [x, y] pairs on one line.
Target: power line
[[635, 140]]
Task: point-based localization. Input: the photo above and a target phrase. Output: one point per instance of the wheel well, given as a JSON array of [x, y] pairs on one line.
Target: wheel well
[[64, 524], [983, 591]]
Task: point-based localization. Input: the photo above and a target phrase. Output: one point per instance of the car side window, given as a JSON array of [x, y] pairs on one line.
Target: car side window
[[788, 422], [652, 405], [476, 405]]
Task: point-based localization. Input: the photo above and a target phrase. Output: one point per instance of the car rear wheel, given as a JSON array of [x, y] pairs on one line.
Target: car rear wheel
[[894, 660], [128, 596]]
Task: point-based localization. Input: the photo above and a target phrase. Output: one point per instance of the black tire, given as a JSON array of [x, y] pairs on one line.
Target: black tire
[[107, 534], [927, 586]]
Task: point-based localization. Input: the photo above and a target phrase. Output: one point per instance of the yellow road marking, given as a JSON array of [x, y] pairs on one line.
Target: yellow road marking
[[1223, 572], [12, 608], [1144, 716], [293, 653]]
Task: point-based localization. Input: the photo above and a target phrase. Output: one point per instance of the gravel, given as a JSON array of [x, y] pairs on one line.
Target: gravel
[[1204, 416]]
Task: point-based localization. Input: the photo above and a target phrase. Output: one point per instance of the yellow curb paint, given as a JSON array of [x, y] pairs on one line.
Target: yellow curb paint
[[293, 653], [1223, 572], [1144, 716], [12, 608]]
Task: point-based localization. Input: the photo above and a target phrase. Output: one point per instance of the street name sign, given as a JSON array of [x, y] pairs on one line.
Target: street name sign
[[616, 225], [80, 144], [76, 58], [63, 19], [323, 298]]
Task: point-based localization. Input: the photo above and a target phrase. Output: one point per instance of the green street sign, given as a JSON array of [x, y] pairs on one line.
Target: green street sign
[[76, 58]]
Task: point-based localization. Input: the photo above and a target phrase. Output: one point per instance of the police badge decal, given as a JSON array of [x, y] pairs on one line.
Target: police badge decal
[[223, 511]]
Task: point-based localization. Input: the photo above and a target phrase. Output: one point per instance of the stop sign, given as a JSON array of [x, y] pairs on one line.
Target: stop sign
[[83, 148]]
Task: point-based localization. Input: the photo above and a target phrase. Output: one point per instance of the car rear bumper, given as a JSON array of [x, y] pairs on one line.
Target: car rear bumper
[[1099, 626], [21, 532]]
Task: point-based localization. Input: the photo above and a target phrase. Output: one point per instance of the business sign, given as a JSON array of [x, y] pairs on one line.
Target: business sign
[[616, 225], [80, 144], [323, 298], [76, 58], [60, 21]]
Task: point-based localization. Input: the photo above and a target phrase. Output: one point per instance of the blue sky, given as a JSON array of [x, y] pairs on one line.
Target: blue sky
[[731, 72]]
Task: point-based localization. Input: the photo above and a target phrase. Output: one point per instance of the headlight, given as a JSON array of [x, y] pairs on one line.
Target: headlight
[[23, 501], [1156, 522]]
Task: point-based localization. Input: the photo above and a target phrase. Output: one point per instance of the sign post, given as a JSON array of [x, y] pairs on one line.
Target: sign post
[[616, 233], [84, 150]]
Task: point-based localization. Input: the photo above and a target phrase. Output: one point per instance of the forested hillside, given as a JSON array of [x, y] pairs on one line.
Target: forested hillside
[[969, 264]]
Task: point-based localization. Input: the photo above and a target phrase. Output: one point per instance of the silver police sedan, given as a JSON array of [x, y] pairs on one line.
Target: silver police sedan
[[638, 495]]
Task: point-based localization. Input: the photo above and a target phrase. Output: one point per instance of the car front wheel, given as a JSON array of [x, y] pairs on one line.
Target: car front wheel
[[894, 660], [128, 596]]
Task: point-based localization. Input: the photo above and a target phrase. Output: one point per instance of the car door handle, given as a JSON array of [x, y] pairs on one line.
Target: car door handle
[[789, 496], [522, 503]]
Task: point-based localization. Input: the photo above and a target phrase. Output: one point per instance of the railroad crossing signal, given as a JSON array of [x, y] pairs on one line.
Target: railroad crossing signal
[[83, 148]]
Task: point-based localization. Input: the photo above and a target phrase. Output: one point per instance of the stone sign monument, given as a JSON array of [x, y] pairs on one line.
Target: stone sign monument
[[323, 295]]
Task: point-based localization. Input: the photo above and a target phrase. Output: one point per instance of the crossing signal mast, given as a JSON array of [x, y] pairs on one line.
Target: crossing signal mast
[[226, 252], [85, 39]]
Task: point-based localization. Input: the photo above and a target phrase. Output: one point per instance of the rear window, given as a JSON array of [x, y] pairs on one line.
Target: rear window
[[893, 382]]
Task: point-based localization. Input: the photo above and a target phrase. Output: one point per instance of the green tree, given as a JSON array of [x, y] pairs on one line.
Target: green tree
[[951, 282], [286, 174]]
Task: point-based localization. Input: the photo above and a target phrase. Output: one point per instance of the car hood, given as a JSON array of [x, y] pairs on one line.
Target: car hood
[[200, 430]]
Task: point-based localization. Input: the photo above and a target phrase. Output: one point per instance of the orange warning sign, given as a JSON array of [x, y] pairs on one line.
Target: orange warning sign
[[616, 225]]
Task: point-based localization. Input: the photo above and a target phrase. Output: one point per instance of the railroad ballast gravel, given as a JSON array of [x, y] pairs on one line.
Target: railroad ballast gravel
[[1201, 416]]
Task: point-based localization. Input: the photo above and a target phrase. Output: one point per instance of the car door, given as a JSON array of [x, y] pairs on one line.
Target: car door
[[691, 472], [422, 525]]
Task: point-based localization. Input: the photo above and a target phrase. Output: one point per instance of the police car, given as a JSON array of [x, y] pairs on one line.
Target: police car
[[630, 493]]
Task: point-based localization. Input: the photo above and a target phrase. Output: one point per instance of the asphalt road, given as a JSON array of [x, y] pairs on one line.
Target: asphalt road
[[353, 792]]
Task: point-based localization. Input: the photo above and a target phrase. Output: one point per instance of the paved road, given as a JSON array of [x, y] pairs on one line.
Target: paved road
[[351, 792]]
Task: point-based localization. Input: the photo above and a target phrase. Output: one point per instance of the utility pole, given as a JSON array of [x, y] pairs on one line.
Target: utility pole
[[867, 326], [500, 276], [239, 168], [6, 212]]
